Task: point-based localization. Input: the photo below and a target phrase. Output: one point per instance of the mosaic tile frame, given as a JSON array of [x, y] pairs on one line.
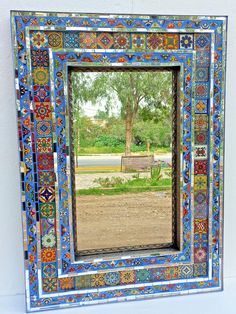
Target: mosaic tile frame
[[45, 44]]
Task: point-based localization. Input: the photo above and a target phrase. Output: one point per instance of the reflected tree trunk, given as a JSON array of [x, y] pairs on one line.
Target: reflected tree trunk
[[128, 135]]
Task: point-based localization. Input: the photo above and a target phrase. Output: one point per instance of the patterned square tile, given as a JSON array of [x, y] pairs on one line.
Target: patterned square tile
[[201, 122], [38, 39], [171, 41], [200, 167], [201, 106], [186, 41], [50, 284], [105, 41], [200, 152], [55, 39], [71, 40], [122, 41], [88, 40], [202, 58], [39, 58], [202, 74], [138, 41], [202, 41], [155, 41], [202, 90], [200, 182]]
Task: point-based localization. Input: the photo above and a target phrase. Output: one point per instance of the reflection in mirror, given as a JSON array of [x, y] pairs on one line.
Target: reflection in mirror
[[124, 159]]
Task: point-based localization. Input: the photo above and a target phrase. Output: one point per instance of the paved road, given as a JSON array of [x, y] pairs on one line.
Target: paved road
[[108, 160]]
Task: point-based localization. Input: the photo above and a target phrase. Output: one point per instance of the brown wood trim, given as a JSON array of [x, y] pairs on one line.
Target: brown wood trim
[[175, 158]]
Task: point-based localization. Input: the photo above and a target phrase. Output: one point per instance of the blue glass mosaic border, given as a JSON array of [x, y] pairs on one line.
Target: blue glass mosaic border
[[45, 40]]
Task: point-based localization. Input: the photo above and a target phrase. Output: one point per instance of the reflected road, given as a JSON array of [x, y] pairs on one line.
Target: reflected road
[[108, 160]]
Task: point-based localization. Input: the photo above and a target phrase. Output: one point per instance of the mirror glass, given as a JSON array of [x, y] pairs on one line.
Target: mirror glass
[[123, 159]]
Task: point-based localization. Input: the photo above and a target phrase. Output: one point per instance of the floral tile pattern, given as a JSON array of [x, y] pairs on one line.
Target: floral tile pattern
[[44, 43]]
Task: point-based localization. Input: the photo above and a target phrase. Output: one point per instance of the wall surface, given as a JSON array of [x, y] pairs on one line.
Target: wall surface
[[11, 261]]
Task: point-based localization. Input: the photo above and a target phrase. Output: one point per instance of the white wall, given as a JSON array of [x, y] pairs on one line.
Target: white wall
[[11, 257]]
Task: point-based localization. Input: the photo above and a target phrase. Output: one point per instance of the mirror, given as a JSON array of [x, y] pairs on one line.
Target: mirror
[[124, 159]]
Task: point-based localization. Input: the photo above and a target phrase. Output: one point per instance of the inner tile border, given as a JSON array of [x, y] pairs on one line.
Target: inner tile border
[[50, 40]]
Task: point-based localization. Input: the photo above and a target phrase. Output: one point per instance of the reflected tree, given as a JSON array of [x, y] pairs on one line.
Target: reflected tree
[[145, 95]]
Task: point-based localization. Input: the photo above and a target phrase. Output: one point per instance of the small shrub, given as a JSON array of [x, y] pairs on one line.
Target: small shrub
[[109, 182], [156, 172]]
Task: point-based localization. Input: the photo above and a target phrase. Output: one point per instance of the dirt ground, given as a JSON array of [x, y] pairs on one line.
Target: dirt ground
[[131, 219]]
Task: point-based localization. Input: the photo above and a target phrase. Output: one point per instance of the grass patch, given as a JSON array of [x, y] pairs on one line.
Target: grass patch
[[121, 190], [130, 186]]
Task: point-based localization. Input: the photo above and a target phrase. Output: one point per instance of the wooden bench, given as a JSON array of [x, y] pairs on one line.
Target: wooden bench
[[136, 163]]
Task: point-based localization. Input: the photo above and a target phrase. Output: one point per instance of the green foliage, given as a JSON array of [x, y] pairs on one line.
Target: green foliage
[[156, 173], [142, 97], [130, 186], [157, 134], [151, 91], [108, 140], [112, 135], [117, 182]]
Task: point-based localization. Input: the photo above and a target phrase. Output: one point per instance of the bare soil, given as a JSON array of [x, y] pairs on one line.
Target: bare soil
[[124, 220]]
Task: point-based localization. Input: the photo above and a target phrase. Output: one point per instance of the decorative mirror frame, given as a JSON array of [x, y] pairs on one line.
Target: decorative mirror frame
[[45, 45]]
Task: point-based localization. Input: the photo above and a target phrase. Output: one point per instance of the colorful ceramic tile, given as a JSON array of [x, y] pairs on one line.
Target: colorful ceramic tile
[[105, 40], [202, 74], [138, 42], [55, 39], [200, 152], [39, 58], [41, 93], [200, 137], [186, 41], [44, 145], [48, 255], [200, 166], [200, 255], [112, 278], [46, 178], [202, 58], [200, 269], [67, 283], [201, 122], [49, 270], [83, 282], [46, 194], [171, 41], [155, 41], [47, 210], [202, 41], [38, 39], [127, 277], [48, 240], [200, 210], [44, 128], [45, 161], [71, 40], [49, 284], [201, 226], [201, 90], [200, 182], [88, 40], [122, 41], [40, 76], [42, 111], [201, 106]]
